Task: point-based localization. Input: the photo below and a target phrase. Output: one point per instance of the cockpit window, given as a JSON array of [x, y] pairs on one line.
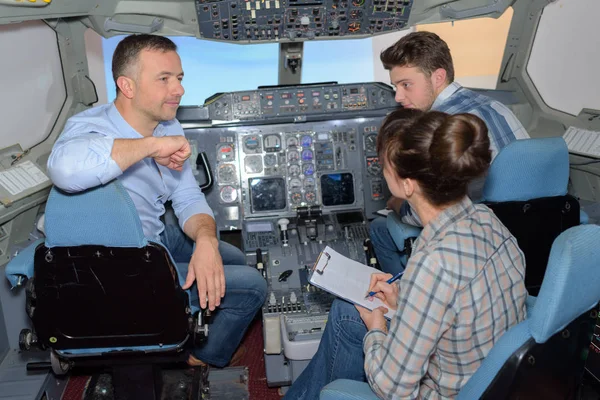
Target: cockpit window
[[212, 67], [342, 61], [477, 47], [565, 55], [32, 83]]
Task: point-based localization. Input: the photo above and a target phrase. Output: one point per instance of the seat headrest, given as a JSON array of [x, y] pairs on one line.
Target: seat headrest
[[104, 215], [571, 284], [527, 169]]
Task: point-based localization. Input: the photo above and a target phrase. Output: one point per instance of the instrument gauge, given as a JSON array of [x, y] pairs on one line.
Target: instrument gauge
[[225, 152], [308, 169], [307, 155], [309, 182], [294, 170], [291, 141], [374, 166], [310, 196], [251, 144], [270, 160], [295, 183], [272, 143], [296, 198], [306, 141], [226, 173], [228, 194], [371, 143], [293, 156], [253, 164]]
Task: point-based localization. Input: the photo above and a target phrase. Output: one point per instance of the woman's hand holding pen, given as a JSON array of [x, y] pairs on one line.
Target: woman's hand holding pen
[[386, 292]]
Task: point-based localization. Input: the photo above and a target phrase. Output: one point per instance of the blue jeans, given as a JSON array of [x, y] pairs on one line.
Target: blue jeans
[[389, 257], [245, 293], [340, 354]]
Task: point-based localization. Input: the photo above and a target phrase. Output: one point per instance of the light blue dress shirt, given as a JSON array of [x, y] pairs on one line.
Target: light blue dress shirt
[[81, 159]]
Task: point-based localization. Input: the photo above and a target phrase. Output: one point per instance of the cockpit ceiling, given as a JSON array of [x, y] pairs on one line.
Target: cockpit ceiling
[[252, 21]]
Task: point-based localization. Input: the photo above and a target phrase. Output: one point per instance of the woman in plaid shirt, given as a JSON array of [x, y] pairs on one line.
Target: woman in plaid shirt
[[463, 286]]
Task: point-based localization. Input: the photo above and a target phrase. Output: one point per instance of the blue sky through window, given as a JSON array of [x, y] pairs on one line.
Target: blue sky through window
[[212, 67]]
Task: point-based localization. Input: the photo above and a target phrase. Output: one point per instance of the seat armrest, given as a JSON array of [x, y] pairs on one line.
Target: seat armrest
[[21, 266]]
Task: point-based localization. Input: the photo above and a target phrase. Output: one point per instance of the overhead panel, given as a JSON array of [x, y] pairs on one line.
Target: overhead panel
[[268, 20]]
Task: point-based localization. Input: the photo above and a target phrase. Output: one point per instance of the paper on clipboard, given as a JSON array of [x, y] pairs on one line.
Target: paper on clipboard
[[345, 278]]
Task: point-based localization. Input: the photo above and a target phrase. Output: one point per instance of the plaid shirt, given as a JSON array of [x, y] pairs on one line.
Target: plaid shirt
[[462, 289], [503, 126]]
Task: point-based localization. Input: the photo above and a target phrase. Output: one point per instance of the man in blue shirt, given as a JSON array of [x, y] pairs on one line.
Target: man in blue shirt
[[138, 140], [422, 72]]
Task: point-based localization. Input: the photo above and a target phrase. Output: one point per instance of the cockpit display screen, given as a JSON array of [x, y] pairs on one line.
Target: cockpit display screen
[[267, 194], [337, 189]]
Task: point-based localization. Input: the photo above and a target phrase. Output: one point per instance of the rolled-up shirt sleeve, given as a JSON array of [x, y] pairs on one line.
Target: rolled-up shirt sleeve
[[81, 161], [188, 200]]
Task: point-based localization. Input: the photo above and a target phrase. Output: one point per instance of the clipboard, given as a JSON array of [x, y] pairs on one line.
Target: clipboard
[[345, 278]]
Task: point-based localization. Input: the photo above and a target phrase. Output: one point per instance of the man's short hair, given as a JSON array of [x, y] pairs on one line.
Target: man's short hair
[[127, 51], [424, 50]]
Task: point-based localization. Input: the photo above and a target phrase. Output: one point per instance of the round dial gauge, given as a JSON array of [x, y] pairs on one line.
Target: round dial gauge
[[253, 164], [225, 152], [251, 143], [310, 196], [293, 156], [374, 169], [291, 141], [270, 160], [309, 182], [307, 155], [296, 197], [294, 170], [227, 173], [228, 194], [295, 183], [306, 141], [371, 143], [308, 169]]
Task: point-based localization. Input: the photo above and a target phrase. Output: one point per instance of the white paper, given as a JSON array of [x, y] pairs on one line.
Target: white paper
[[22, 177], [582, 141], [346, 278], [384, 212]]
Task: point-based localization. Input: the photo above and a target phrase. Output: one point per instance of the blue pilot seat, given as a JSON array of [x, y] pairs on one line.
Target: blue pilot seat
[[99, 292], [544, 356], [526, 187]]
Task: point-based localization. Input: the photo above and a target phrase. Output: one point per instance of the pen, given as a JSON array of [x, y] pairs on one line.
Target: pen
[[391, 280]]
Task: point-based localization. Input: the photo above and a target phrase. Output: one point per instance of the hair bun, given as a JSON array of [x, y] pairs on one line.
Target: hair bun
[[460, 148]]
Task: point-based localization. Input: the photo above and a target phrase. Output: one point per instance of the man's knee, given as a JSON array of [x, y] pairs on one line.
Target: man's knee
[[230, 254], [378, 227], [247, 281]]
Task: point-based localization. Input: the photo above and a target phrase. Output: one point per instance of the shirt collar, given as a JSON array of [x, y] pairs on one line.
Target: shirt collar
[[127, 130], [445, 95], [439, 224]]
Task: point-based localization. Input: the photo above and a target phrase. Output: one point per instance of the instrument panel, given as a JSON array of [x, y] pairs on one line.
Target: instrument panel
[[272, 170], [287, 20], [266, 166]]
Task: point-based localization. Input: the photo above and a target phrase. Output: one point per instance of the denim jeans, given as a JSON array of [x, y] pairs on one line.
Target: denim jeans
[[389, 257], [245, 293], [340, 354]]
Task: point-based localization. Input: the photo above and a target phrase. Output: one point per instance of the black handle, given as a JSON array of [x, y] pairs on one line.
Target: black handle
[[202, 161]]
